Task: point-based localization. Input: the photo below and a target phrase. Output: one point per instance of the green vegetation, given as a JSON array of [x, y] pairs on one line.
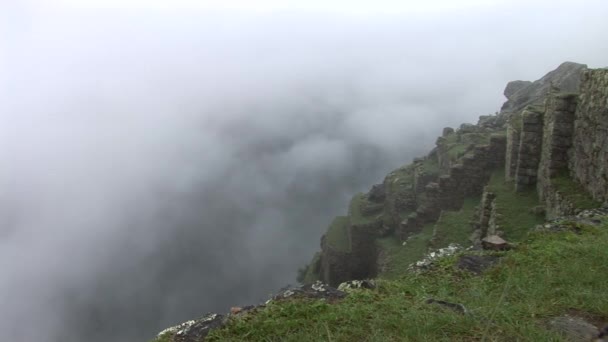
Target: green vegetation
[[357, 217], [514, 208], [164, 338], [574, 192], [430, 166], [337, 234], [398, 257], [548, 275], [476, 138], [456, 151], [400, 180], [455, 226], [310, 273]]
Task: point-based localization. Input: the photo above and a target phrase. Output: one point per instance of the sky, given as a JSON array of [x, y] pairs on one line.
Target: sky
[[161, 160]]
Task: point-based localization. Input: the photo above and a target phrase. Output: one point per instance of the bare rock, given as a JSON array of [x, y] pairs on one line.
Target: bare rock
[[457, 307], [515, 86], [566, 77], [495, 243], [575, 329], [357, 284]]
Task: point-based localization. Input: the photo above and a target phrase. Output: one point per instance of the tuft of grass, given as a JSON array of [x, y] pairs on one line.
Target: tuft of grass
[[515, 218], [167, 337], [455, 226], [548, 275], [337, 235], [574, 192], [399, 257]]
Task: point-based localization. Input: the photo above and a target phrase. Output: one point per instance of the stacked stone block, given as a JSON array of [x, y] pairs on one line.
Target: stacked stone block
[[589, 159], [530, 144]]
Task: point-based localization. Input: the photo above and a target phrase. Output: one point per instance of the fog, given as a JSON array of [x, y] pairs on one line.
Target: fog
[[158, 162]]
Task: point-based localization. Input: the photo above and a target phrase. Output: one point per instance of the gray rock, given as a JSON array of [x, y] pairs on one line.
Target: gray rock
[[515, 86], [575, 329], [566, 77], [457, 307], [495, 243]]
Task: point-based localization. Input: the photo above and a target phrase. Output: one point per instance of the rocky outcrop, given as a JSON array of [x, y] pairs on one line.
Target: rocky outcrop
[[535, 138], [566, 77]]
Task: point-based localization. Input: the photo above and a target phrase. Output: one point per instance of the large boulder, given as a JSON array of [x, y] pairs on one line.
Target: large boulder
[[566, 78], [514, 86]]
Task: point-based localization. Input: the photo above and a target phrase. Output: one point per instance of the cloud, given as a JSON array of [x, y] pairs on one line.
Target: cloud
[[160, 164]]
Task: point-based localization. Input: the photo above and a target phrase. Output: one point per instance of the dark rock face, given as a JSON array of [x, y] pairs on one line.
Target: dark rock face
[[377, 194], [476, 263], [566, 77]]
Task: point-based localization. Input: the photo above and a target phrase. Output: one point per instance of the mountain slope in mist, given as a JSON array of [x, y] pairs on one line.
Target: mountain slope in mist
[[157, 165]]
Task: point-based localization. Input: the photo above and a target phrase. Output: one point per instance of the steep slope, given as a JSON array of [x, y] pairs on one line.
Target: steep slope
[[498, 179]]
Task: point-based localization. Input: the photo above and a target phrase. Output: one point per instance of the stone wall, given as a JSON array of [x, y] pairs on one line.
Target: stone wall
[[557, 140], [335, 265], [513, 137], [463, 179], [358, 263], [485, 212], [589, 159], [530, 143]]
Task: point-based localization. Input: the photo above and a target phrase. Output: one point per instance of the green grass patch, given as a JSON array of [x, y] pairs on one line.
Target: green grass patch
[[455, 226], [548, 275], [401, 179], [574, 192], [430, 166], [514, 207], [399, 257], [357, 217], [337, 234], [457, 150], [476, 138]]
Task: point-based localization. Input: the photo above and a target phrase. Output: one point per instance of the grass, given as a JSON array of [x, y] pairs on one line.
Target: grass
[[574, 192], [399, 257], [514, 207], [455, 226], [430, 166], [354, 211], [476, 138], [456, 151], [337, 234], [399, 180], [548, 275]]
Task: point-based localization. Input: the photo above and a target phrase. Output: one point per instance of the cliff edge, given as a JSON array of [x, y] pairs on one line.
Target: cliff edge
[[519, 193]]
